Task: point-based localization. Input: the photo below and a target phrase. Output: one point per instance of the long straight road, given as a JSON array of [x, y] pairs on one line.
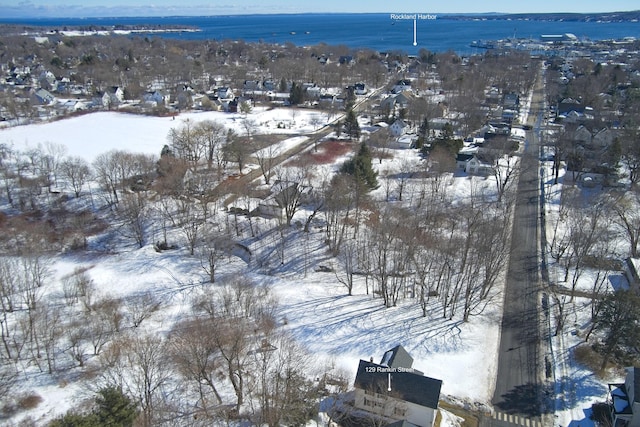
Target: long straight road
[[519, 386]]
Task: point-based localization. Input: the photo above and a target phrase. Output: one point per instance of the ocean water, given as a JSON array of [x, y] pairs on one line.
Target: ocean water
[[374, 31]]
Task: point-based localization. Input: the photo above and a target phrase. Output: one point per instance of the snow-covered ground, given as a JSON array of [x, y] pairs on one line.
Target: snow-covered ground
[[577, 388], [92, 134], [338, 328]]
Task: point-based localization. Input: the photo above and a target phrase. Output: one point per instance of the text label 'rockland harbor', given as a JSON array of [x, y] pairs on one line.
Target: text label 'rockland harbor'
[[414, 16]]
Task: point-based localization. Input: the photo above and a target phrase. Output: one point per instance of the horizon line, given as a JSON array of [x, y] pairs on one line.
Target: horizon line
[[449, 14]]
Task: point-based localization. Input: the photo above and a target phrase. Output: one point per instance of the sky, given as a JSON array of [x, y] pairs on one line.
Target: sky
[[91, 8]]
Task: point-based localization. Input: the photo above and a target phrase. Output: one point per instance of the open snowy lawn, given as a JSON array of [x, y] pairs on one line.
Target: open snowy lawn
[[88, 135]]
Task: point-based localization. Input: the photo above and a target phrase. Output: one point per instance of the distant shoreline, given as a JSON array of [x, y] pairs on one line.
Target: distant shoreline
[[610, 17], [620, 16], [90, 30]]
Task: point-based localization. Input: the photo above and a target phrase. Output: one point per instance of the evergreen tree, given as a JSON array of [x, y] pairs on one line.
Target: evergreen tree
[[423, 133], [350, 98], [71, 419], [114, 408], [351, 126], [166, 151], [296, 94], [618, 319], [360, 167]]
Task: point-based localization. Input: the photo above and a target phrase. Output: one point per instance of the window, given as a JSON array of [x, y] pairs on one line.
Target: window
[[399, 411]]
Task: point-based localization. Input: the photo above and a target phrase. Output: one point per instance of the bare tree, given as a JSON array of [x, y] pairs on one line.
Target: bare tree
[[107, 174], [146, 357], [194, 352], [141, 307], [191, 142], [52, 160], [135, 217], [49, 327], [240, 312], [213, 134], [237, 150], [285, 394], [340, 200], [76, 172], [627, 217], [349, 260], [267, 159], [289, 189], [215, 248], [190, 221], [8, 171]]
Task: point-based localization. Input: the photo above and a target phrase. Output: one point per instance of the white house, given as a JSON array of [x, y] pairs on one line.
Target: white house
[[156, 98], [399, 127], [625, 400], [632, 273], [225, 93], [401, 86], [478, 165], [394, 391], [116, 93]]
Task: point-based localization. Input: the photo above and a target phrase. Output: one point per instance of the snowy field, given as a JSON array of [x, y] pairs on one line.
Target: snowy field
[[337, 328], [92, 134]]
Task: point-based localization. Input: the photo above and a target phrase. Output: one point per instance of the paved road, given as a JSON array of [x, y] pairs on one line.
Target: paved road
[[519, 389]]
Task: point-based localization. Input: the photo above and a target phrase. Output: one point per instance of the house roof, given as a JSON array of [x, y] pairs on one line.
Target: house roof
[[636, 385], [397, 357], [402, 423], [405, 385], [401, 123], [463, 157]]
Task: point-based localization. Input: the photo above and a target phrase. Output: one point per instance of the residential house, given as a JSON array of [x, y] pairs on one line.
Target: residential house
[[406, 141], [632, 273], [625, 400], [398, 128], [509, 115], [462, 159], [573, 116], [47, 80], [511, 101], [116, 93], [582, 136], [252, 85], [569, 104], [346, 60], [479, 165], [225, 93], [401, 86], [156, 98], [44, 97], [314, 92], [394, 391], [74, 105], [603, 138], [270, 85], [388, 104], [403, 99], [360, 89]]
